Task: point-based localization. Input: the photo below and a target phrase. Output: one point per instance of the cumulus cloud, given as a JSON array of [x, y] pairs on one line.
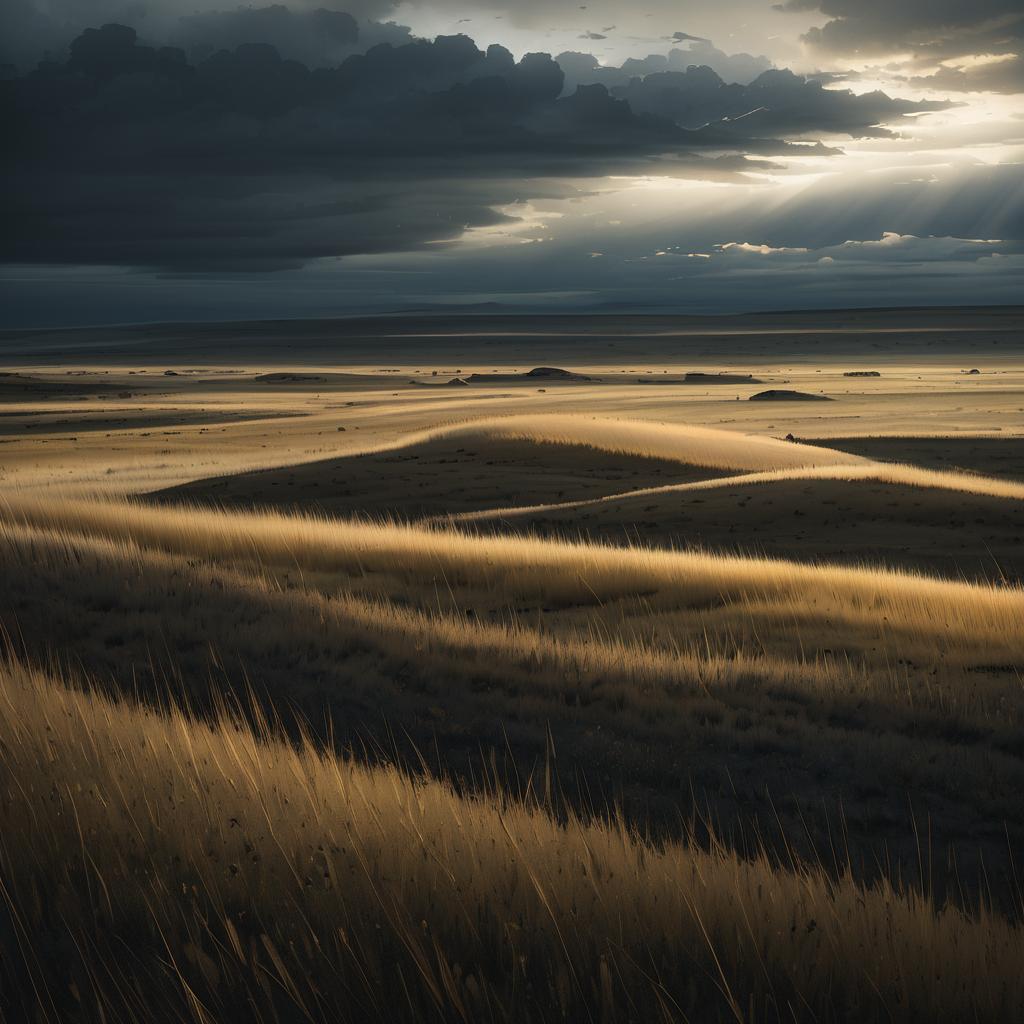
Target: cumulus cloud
[[890, 248], [761, 249]]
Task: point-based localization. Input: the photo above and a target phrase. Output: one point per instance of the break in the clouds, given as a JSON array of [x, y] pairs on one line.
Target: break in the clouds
[[955, 44], [297, 142]]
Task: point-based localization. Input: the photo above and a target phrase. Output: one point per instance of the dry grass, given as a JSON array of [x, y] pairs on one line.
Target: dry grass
[[912, 606], [157, 867], [756, 640], [693, 445], [688, 445], [679, 442], [575, 658]]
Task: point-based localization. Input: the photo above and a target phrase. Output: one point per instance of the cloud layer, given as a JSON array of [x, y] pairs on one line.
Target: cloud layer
[[977, 44], [299, 150], [131, 154]]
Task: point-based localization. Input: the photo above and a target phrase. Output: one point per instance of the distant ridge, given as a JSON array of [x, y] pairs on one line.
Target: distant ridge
[[607, 311]]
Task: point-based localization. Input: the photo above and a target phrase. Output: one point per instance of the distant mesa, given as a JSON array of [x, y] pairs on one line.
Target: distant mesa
[[703, 378], [862, 373], [170, 373], [455, 382], [721, 378], [788, 396], [972, 372], [287, 378], [20, 384], [553, 374]]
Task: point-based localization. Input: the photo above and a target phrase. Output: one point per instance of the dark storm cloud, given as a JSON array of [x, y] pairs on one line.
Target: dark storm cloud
[[586, 69], [942, 27], [318, 37], [130, 154], [25, 33], [931, 30], [303, 29], [776, 102]]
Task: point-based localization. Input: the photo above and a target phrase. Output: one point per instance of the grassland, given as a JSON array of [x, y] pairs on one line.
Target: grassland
[[164, 868], [331, 697]]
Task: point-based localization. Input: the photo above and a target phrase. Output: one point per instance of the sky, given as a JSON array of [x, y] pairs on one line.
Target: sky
[[193, 160]]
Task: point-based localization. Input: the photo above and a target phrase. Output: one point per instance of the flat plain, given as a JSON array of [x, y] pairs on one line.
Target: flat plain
[[514, 668]]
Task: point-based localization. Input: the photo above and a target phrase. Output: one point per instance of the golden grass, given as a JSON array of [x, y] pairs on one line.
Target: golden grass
[[756, 645], [651, 710], [300, 440], [683, 443], [556, 571], [693, 445], [638, 629], [157, 867], [558, 661]]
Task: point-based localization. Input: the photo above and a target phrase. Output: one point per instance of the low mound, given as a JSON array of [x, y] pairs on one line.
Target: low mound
[[704, 378], [691, 445], [447, 474], [16, 387], [787, 396], [555, 373], [289, 378], [283, 378], [510, 462], [455, 382], [548, 374]]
